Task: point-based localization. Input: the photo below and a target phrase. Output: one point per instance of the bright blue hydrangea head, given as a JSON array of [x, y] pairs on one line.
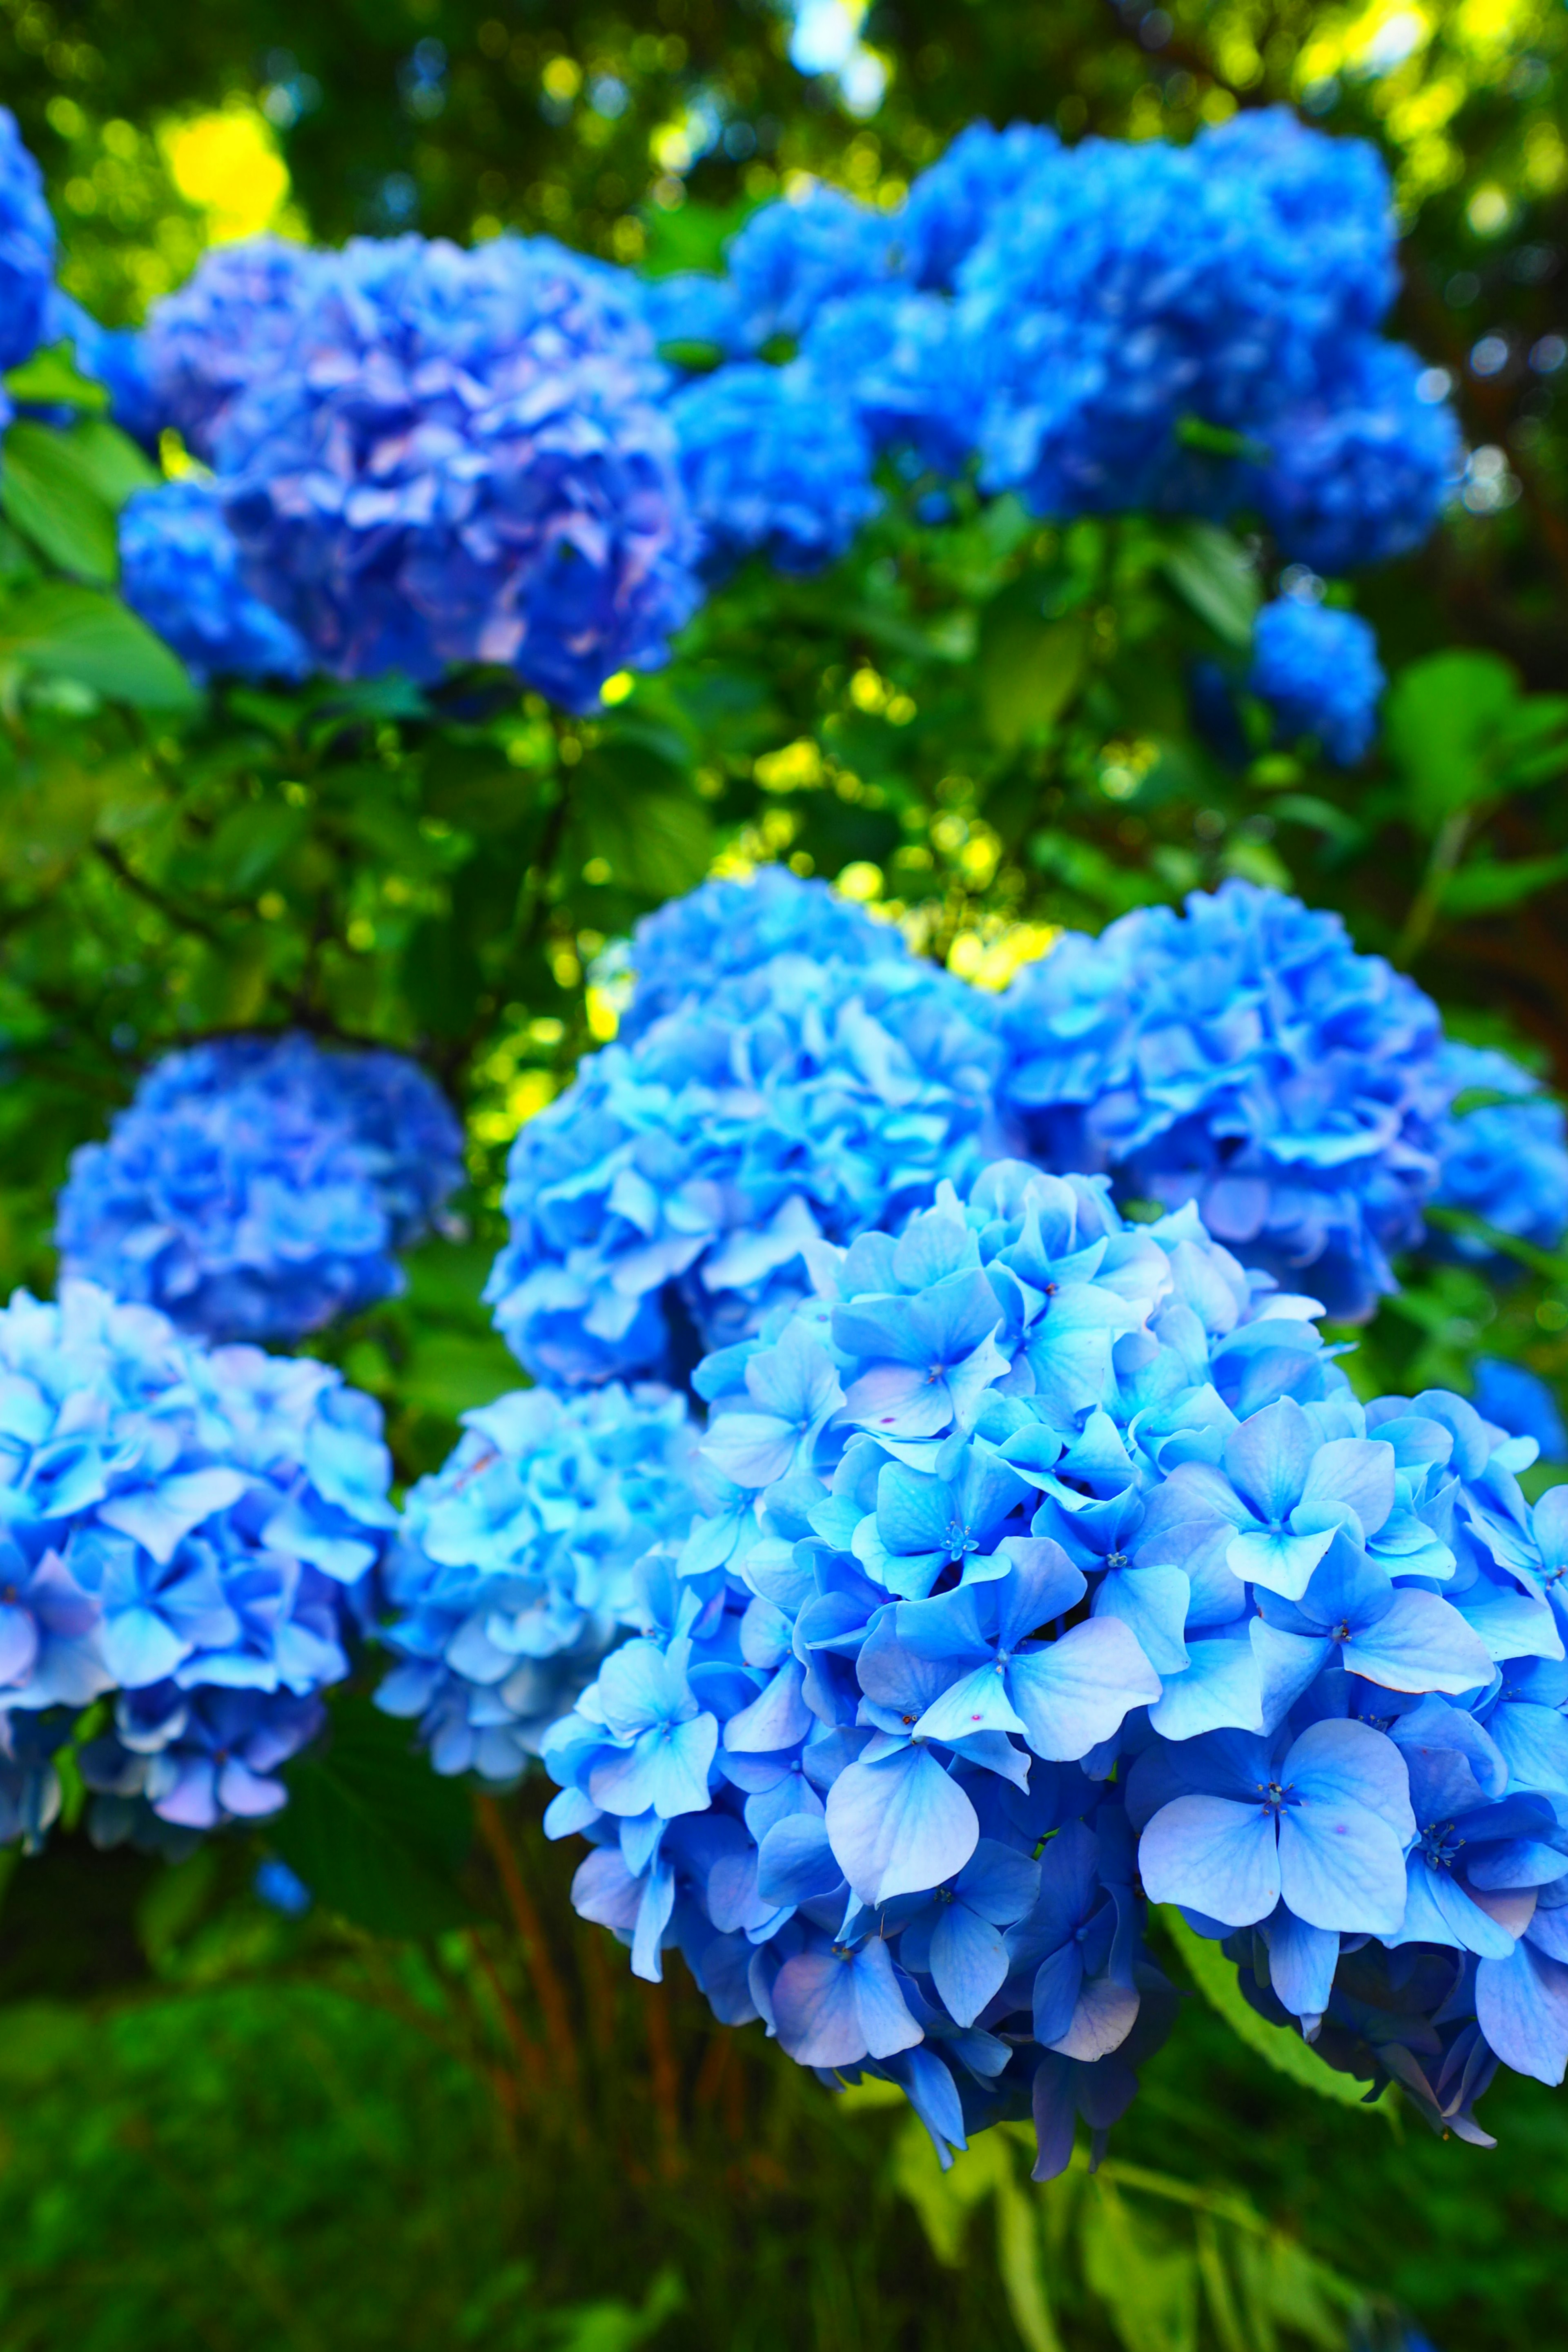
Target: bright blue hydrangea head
[[670, 1193], [724, 927], [1520, 1402], [1504, 1160], [772, 466], [461, 457], [798, 253], [27, 248], [1058, 1556], [114, 357], [1360, 469], [1317, 667], [954, 203], [257, 1187], [180, 570], [193, 1531], [1243, 1056], [512, 1571], [900, 361], [232, 321]]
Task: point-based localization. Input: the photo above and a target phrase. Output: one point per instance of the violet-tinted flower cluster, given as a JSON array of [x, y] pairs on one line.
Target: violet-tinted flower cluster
[[179, 567], [1243, 1056], [257, 1187], [192, 1531], [673, 1191], [1317, 669], [512, 1575], [1055, 1555]]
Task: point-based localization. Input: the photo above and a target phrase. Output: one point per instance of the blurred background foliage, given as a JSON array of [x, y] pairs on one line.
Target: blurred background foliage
[[441, 2112]]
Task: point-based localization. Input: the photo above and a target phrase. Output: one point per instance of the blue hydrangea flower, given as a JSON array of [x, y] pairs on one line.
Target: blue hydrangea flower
[[772, 466], [1520, 1402], [461, 458], [796, 254], [114, 357], [27, 248], [724, 928], [193, 1531], [1504, 1162], [1244, 1057], [693, 307], [1359, 469], [259, 1186], [1318, 668], [957, 200], [678, 1184], [899, 358], [512, 1571], [233, 320], [180, 570]]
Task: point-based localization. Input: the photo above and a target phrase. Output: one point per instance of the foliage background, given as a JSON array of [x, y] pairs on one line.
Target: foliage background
[[464, 2124]]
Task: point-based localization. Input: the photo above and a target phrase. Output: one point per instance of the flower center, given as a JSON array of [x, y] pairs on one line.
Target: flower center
[[1440, 1845], [1276, 1795]]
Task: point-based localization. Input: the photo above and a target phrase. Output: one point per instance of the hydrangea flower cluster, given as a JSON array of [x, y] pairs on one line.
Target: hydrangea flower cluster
[[459, 458], [179, 567], [114, 357], [1056, 1555], [721, 927], [672, 1195], [1244, 1058], [26, 252], [1503, 1160], [512, 1575], [257, 1187], [772, 466], [1317, 666], [193, 1532], [234, 320]]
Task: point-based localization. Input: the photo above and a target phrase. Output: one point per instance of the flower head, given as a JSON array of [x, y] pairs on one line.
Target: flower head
[[1318, 668], [27, 248], [724, 927], [773, 465], [1503, 1151], [259, 1186], [180, 570]]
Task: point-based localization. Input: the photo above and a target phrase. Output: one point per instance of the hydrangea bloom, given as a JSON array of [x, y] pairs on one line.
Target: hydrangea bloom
[[192, 1531], [772, 466], [798, 253], [1359, 471], [1246, 1058], [27, 248], [675, 1185], [1520, 1402], [180, 570], [116, 358], [1505, 1162], [511, 1574], [723, 928], [1318, 668], [954, 204], [233, 320], [259, 1186], [1057, 1556], [899, 360], [459, 457]]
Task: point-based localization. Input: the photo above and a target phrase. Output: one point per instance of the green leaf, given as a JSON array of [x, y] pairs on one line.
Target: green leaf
[[76, 632], [50, 379], [1440, 722], [1209, 571], [1490, 884], [1216, 1978], [1029, 668], [374, 1832], [252, 841], [47, 493], [1148, 2285], [110, 462], [1218, 440]]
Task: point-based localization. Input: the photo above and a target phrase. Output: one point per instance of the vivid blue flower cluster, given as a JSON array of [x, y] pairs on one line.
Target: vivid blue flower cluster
[[512, 1575], [1052, 1554], [671, 1197], [114, 357], [1504, 1160], [179, 567], [26, 252], [233, 321], [1244, 1057], [1318, 668], [257, 1187], [1520, 1402], [192, 1531], [724, 928], [772, 466]]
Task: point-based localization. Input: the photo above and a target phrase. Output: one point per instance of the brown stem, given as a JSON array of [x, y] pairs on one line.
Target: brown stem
[[560, 2040]]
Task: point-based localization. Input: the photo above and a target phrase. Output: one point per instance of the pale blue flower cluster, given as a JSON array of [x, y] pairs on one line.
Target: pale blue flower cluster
[[672, 1195], [179, 567], [1317, 667], [512, 1575], [1504, 1154], [1244, 1057], [1055, 1565], [257, 1187], [26, 252], [724, 928], [190, 1532]]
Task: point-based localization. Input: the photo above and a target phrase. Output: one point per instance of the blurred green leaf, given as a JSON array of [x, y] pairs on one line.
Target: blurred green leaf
[[1029, 668], [79, 633], [1488, 884], [374, 1833], [51, 380], [1210, 572], [48, 493], [1284, 2051]]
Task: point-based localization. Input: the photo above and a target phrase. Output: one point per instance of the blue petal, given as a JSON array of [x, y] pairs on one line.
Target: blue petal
[[1214, 1856], [1078, 1691], [1522, 2005], [968, 1961], [900, 1827]]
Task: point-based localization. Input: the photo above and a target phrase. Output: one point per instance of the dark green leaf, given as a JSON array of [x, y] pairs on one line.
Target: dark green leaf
[[252, 841], [76, 632], [1210, 572], [1440, 723], [372, 1831], [45, 492], [1029, 669], [1491, 885]]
